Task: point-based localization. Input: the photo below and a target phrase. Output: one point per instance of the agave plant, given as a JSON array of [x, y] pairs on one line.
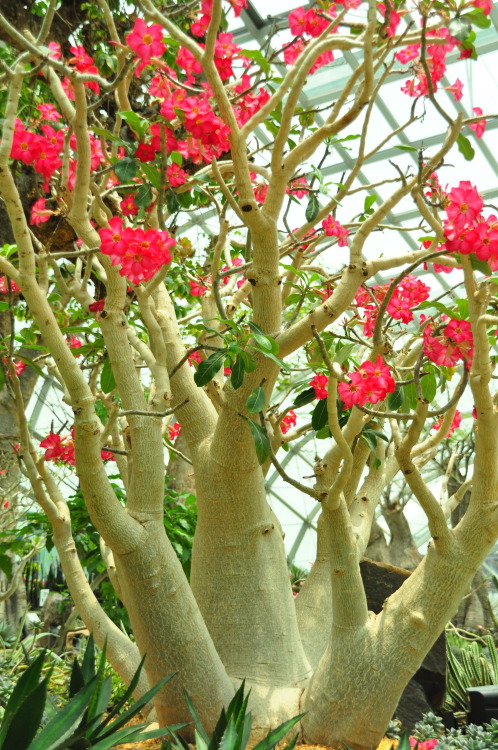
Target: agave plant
[[83, 722], [232, 729]]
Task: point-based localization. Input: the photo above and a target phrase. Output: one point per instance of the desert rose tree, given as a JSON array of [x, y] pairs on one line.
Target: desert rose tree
[[151, 327]]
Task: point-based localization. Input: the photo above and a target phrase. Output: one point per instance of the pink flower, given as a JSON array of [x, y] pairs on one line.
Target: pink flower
[[145, 152], [146, 41], [456, 89], [478, 127], [196, 289], [4, 286], [319, 385], [49, 112], [173, 431], [288, 421], [175, 175], [128, 206], [334, 228], [408, 53], [74, 343], [465, 204], [195, 357], [485, 5], [39, 212], [457, 420]]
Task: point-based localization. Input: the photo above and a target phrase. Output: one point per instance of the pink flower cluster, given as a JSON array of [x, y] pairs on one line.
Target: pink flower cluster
[[61, 449], [139, 252], [436, 61], [409, 293], [333, 228], [250, 100], [454, 344], [199, 27], [457, 421], [370, 383], [466, 230], [40, 151], [311, 23]]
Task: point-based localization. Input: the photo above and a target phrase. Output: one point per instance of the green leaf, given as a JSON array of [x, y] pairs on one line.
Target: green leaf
[[480, 265], [409, 397], [26, 721], [152, 174], [369, 201], [305, 397], [320, 416], [56, 733], [261, 442], [428, 385], [198, 724], [404, 743], [459, 28], [209, 367], [135, 708], [463, 308], [125, 169], [229, 736], [274, 737], [256, 401], [312, 208], [107, 382], [465, 147], [6, 565], [402, 147], [266, 343], [343, 353], [477, 18], [107, 134], [172, 203], [143, 197], [250, 363], [134, 121], [176, 157], [25, 685], [237, 376], [258, 57], [395, 399]]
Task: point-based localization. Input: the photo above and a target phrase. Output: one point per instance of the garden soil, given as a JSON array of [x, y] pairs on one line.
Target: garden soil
[[386, 744]]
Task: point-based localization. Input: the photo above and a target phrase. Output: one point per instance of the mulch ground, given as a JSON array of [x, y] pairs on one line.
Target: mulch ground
[[385, 744]]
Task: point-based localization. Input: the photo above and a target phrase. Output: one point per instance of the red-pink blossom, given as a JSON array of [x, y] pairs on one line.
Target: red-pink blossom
[[4, 286], [175, 175], [319, 385], [128, 206], [288, 421], [480, 126], [173, 431], [457, 420], [196, 288], [456, 89], [146, 41], [334, 228], [145, 152]]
